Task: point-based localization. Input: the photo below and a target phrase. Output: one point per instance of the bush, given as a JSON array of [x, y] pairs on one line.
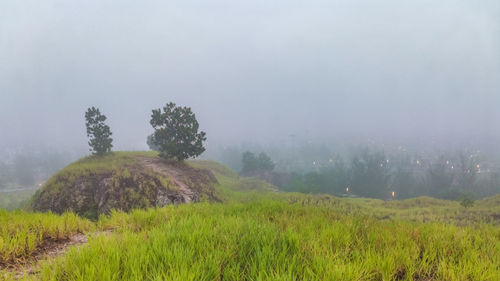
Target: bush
[[467, 203]]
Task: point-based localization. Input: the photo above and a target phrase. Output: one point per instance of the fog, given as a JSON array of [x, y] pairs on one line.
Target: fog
[[252, 71]]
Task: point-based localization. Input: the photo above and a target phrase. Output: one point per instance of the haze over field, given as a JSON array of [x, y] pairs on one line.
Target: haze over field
[[252, 71], [250, 140]]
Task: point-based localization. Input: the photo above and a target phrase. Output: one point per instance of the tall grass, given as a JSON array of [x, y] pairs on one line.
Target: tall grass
[[276, 240], [22, 233]]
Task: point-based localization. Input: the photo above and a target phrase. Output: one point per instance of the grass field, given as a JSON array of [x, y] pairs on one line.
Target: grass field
[[259, 234], [21, 233]]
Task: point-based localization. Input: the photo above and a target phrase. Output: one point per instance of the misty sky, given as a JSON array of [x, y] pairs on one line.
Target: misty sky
[[251, 70]]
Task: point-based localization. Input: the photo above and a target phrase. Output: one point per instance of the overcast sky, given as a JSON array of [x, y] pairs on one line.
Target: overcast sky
[[251, 70]]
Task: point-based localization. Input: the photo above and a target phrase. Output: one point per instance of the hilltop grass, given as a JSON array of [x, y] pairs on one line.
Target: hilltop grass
[[110, 161], [130, 185], [113, 162]]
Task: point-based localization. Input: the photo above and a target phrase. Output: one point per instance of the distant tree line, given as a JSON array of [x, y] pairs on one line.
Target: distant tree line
[[370, 173]]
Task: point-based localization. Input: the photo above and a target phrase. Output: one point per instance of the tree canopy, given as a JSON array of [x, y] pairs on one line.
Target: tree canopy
[[260, 163], [176, 133], [99, 133]]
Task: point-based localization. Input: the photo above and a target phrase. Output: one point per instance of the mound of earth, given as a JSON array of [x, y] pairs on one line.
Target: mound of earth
[[123, 181]]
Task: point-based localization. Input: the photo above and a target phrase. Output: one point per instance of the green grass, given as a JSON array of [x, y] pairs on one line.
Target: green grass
[[110, 161], [232, 187], [276, 240], [259, 234], [426, 209], [21, 233]]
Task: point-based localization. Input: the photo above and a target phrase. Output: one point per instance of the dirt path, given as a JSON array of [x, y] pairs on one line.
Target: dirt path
[[172, 172], [48, 251]]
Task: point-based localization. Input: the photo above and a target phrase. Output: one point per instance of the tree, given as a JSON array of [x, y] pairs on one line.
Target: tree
[[265, 162], [335, 177], [439, 180], [250, 163], [98, 132], [370, 175], [253, 164], [405, 183], [467, 202], [176, 132]]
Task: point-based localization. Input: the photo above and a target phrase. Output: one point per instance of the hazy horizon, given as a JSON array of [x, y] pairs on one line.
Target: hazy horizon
[[252, 71]]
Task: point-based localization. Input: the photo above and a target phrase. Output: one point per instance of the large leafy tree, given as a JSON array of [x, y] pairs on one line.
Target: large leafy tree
[[176, 132], [99, 133]]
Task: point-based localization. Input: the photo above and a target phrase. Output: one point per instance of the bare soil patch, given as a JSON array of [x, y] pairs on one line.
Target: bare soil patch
[[189, 180]]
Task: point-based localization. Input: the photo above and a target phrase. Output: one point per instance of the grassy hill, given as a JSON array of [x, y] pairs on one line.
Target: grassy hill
[[257, 233], [96, 185]]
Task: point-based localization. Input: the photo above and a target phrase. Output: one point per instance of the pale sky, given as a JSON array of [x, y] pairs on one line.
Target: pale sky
[[251, 70]]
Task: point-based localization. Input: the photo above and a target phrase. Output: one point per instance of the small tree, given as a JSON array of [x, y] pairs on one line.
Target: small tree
[[265, 162], [176, 132], [254, 164], [467, 203], [98, 132]]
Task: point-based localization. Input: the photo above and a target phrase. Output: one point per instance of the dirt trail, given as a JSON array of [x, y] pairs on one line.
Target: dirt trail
[[47, 251], [174, 173]]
